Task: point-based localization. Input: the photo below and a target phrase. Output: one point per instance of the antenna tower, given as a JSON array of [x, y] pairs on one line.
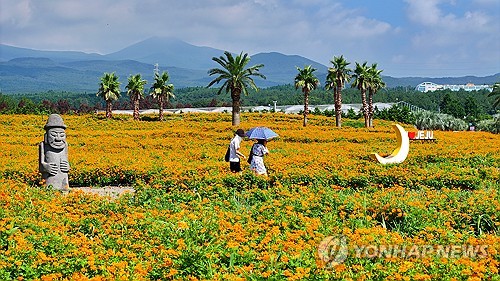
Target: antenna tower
[[157, 69]]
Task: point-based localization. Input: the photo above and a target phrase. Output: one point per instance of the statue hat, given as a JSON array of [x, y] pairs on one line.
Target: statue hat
[[54, 121]]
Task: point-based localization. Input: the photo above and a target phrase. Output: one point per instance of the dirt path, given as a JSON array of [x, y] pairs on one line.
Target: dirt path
[[111, 191]]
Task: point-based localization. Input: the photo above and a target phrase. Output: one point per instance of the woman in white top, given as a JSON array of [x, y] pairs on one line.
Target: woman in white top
[[258, 151]]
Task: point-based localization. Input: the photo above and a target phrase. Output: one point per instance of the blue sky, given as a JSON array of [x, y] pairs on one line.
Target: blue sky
[[432, 38]]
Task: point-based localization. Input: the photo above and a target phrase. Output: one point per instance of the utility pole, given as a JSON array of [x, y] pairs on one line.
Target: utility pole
[[157, 69]]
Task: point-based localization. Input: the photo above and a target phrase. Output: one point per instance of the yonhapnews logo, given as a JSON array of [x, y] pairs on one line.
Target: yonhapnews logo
[[334, 250]]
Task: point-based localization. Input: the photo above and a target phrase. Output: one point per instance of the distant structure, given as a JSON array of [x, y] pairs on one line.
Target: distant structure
[[157, 69], [431, 87]]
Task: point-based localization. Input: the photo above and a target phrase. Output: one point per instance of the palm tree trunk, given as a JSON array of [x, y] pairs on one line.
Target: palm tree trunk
[[370, 109], [236, 108], [136, 108], [338, 107], [109, 109], [306, 107], [160, 103], [365, 108]]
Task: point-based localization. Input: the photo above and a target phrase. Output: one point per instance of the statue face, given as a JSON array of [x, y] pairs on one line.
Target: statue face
[[56, 137]]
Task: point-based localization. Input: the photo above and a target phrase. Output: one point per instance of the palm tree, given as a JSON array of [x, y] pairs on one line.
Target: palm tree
[[109, 90], [135, 91], [360, 82], [336, 78], [375, 83], [237, 78], [162, 91], [495, 93], [306, 80]]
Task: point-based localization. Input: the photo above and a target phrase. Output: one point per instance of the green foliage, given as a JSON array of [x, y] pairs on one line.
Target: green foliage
[[109, 88], [426, 120], [135, 87], [450, 105], [306, 80], [396, 113], [49, 101], [490, 125], [360, 76], [160, 89], [237, 78], [6, 103], [471, 107], [496, 94], [351, 114]]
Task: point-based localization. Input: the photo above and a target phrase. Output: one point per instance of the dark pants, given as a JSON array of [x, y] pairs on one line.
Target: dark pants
[[235, 167]]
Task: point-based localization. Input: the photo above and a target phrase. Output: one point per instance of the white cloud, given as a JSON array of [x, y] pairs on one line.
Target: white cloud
[[228, 24], [424, 12], [487, 2], [458, 41], [15, 13], [429, 15]]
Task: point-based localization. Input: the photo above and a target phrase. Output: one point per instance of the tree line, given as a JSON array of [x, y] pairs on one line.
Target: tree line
[[475, 104]]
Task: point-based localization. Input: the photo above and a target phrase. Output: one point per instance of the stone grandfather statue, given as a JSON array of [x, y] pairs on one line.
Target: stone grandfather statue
[[53, 154]]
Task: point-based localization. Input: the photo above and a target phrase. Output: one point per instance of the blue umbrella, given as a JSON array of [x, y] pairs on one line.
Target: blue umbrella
[[261, 133]]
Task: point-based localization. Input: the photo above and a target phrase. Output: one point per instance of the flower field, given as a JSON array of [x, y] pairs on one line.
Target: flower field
[[190, 219]]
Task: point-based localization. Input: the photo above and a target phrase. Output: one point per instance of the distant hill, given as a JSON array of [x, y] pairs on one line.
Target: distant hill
[[25, 70], [169, 52], [8, 52], [281, 69], [41, 74], [28, 75]]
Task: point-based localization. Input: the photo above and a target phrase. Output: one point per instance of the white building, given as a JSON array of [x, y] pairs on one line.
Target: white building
[[431, 87]]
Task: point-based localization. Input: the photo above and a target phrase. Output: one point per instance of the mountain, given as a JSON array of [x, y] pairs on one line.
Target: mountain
[[169, 52], [9, 52], [281, 69], [173, 52], [27, 70], [42, 74]]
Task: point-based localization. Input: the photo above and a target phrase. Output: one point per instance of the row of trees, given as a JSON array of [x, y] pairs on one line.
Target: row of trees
[[367, 79], [475, 104], [109, 90], [468, 109], [237, 78]]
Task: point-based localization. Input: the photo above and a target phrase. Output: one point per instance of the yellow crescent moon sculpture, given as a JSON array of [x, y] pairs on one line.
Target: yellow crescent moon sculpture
[[399, 154]]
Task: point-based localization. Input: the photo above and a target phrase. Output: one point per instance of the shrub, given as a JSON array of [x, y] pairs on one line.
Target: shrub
[[351, 114], [395, 113], [426, 120], [490, 125]]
